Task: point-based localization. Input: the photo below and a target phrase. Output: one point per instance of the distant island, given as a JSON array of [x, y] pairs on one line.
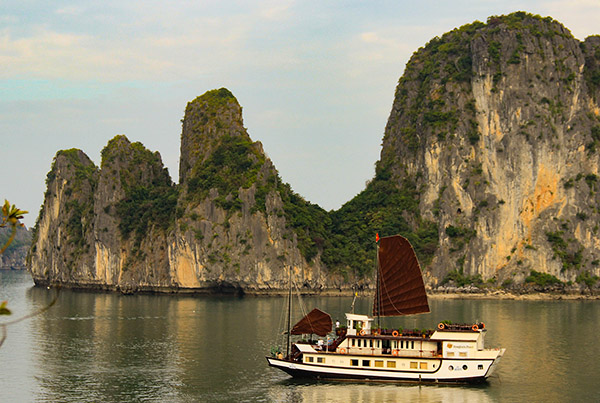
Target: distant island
[[14, 257], [489, 166]]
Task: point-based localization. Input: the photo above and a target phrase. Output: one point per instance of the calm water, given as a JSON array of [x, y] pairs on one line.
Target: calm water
[[109, 347]]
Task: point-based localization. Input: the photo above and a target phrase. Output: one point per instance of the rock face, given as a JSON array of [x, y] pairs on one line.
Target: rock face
[[489, 166], [127, 227], [63, 236], [498, 125]]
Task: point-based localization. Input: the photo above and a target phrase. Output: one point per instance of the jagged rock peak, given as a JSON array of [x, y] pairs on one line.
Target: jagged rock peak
[[134, 163], [519, 44], [208, 118], [74, 169], [63, 232]]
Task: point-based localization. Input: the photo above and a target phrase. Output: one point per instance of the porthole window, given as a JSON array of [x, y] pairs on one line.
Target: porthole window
[[451, 368], [465, 367]]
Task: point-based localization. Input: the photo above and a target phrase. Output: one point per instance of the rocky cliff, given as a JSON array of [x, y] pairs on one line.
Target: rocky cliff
[[489, 166], [498, 124], [230, 225]]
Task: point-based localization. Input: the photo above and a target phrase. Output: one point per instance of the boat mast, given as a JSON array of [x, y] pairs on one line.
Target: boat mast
[[377, 291], [289, 319]]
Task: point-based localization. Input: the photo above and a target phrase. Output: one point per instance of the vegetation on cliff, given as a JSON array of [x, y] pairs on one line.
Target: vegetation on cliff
[[150, 198], [234, 164], [383, 208]]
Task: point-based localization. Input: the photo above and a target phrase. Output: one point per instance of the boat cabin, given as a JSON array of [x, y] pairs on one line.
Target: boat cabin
[[459, 344], [356, 323]]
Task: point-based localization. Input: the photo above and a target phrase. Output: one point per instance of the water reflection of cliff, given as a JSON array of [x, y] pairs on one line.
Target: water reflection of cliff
[[104, 347], [111, 347]]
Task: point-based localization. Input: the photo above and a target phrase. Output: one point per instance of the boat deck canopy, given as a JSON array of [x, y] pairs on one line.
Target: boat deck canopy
[[305, 348]]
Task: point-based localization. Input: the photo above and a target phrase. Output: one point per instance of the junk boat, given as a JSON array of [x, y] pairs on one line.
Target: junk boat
[[364, 351]]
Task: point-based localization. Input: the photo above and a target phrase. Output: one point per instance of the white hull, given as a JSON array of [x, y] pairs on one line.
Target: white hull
[[443, 370]]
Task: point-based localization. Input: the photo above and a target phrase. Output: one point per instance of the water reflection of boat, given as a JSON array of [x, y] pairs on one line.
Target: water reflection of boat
[[365, 350], [355, 392]]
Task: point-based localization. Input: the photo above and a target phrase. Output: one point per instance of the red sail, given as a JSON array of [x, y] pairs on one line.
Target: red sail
[[400, 287], [316, 322]]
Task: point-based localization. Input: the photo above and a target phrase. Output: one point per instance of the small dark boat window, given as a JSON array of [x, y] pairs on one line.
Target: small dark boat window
[[366, 363]]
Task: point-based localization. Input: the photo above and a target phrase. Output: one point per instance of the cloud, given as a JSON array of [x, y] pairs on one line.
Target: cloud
[[69, 10], [276, 10], [51, 54]]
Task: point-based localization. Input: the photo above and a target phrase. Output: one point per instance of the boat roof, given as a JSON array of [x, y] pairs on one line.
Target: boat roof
[[456, 336], [353, 316], [305, 348]]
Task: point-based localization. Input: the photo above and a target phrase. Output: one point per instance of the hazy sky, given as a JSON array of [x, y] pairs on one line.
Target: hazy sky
[[315, 79]]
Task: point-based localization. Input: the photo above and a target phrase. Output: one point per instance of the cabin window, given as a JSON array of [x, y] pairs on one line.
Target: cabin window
[[465, 367], [422, 365], [414, 364], [402, 344], [480, 367], [450, 353], [391, 364], [354, 363], [462, 354], [371, 343], [352, 342], [395, 344], [321, 359], [412, 345], [366, 363], [378, 363], [309, 359]]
